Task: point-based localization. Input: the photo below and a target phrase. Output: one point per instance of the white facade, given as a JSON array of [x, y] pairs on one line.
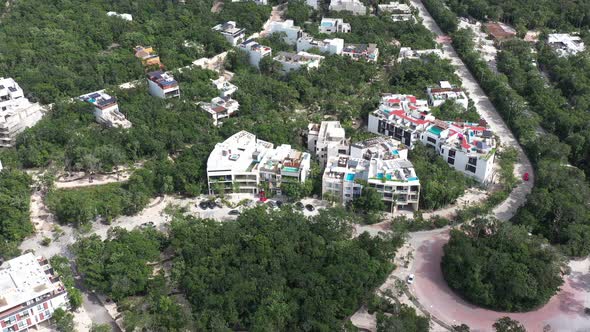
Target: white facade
[[445, 91], [469, 148], [330, 46], [313, 4], [29, 293], [354, 6], [291, 31], [123, 16], [16, 112], [258, 2], [368, 52], [220, 108], [381, 163], [333, 25], [106, 109], [255, 51], [292, 61], [566, 44], [400, 12], [231, 32], [401, 117], [243, 163], [224, 87], [408, 53], [327, 140], [162, 85]]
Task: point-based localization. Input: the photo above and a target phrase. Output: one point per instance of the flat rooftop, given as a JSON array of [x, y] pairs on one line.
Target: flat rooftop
[[98, 98]]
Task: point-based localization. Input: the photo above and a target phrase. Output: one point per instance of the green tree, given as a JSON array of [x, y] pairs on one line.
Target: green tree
[[506, 324], [63, 320]]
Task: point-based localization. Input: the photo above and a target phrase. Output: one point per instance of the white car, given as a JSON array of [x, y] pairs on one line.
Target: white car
[[411, 279]]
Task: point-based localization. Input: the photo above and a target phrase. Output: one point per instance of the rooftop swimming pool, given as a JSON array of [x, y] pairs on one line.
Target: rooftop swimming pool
[[349, 177], [435, 130], [414, 178], [291, 169]]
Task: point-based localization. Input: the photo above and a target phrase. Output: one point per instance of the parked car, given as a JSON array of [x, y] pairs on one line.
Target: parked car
[[234, 213], [211, 204], [279, 203], [411, 279], [272, 204], [309, 207], [203, 205], [299, 205], [525, 176]]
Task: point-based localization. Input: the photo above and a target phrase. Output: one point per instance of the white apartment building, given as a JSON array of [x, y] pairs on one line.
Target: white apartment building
[[408, 53], [330, 46], [123, 16], [400, 12], [220, 108], [258, 2], [368, 52], [402, 117], [327, 140], [106, 109], [255, 51], [333, 25], [16, 112], [224, 87], [445, 91], [162, 85], [243, 164], [313, 4], [565, 44], [231, 32], [288, 27], [381, 163], [469, 148], [292, 61], [29, 293], [354, 6]]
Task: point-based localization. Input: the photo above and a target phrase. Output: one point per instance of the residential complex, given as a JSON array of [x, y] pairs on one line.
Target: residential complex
[[326, 140], [379, 162], [333, 25], [565, 44], [291, 31], [224, 87], [231, 32], [400, 12], [244, 164], [16, 112], [292, 61], [255, 51], [368, 52], [162, 85], [147, 56], [409, 53], [354, 6], [106, 109], [445, 91], [29, 293], [469, 148], [220, 108], [330, 46]]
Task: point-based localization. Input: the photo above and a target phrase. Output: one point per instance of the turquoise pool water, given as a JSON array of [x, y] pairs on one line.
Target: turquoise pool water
[[349, 177], [379, 176], [413, 178], [326, 24], [435, 130], [395, 152], [291, 169]]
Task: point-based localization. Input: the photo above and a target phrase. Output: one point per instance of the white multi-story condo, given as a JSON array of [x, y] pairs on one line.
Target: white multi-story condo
[[258, 2], [330, 46], [381, 163], [326, 140], [402, 117], [408, 53], [445, 91], [123, 16], [292, 61], [400, 12], [354, 6], [255, 51], [231, 32], [16, 112], [565, 44], [220, 108], [368, 52], [224, 87], [162, 85], [106, 109], [244, 164], [333, 25], [312, 3], [469, 148], [291, 31], [29, 293]]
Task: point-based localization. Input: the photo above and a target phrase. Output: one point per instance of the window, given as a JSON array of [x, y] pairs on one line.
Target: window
[[451, 153], [472, 161], [470, 168], [431, 140], [442, 151], [451, 161]]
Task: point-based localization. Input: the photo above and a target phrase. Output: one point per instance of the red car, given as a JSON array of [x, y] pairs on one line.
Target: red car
[[525, 176]]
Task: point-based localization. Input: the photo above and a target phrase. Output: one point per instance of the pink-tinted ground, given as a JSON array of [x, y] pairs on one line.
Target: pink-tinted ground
[[564, 312]]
